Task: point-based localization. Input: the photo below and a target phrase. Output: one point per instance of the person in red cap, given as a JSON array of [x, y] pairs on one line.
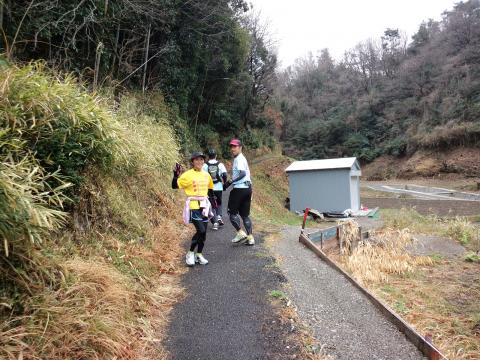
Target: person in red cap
[[241, 195]]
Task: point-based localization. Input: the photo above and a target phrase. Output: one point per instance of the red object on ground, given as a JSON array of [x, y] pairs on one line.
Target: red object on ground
[[305, 215]]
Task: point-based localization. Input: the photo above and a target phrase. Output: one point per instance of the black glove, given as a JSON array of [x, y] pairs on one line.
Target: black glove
[[227, 184], [178, 170]]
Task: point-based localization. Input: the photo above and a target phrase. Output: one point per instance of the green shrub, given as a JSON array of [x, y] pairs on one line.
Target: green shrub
[[27, 204], [396, 147], [54, 120], [50, 131]]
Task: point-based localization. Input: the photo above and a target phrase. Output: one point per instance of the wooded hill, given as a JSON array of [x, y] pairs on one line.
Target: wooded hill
[[98, 99], [388, 96], [211, 60]]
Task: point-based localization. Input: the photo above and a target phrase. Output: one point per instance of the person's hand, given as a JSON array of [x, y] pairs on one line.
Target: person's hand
[[177, 170], [227, 185]]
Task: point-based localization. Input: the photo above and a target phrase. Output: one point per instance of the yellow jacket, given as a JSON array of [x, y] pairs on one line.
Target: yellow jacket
[[195, 183]]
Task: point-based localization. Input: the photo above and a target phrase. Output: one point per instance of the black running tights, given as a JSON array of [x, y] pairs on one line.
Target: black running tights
[[198, 240]]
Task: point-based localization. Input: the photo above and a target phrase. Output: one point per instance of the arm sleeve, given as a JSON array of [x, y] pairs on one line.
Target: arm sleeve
[[175, 182], [211, 194], [241, 175]]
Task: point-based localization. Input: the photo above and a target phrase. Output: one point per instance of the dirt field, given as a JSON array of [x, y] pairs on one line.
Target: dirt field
[[457, 163], [437, 207]]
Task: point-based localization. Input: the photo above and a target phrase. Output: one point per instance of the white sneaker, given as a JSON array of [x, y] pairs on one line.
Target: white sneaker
[[190, 258], [200, 259], [241, 235], [250, 240], [215, 226]]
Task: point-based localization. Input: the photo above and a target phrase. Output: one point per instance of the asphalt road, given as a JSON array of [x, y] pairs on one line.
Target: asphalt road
[[227, 313]]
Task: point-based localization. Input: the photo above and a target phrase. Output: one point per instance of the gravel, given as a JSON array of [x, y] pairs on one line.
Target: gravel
[[341, 318]]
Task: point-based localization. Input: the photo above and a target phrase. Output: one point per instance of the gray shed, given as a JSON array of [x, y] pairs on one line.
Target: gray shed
[[330, 185]]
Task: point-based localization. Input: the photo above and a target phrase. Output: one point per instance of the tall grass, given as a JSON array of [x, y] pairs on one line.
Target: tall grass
[[50, 130], [88, 227], [28, 204], [459, 228]]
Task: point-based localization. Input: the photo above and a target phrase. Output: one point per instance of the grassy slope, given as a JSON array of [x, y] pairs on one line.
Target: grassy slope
[[101, 287]]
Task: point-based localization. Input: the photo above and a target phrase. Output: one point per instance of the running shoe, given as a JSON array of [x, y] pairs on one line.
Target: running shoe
[[200, 259], [190, 258], [250, 240], [215, 226], [241, 236], [220, 221]]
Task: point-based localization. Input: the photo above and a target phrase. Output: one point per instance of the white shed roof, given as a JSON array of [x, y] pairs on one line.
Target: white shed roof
[[341, 163]]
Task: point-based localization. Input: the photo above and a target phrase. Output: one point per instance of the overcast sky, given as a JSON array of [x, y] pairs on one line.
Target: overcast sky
[[301, 26]]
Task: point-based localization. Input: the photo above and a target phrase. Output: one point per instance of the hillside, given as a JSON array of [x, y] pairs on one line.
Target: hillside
[[390, 95], [456, 163], [91, 233]]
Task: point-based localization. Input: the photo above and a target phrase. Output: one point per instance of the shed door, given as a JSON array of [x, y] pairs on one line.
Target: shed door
[[354, 192]]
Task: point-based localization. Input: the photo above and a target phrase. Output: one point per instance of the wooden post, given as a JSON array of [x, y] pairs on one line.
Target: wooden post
[[340, 240], [357, 240], [147, 42]]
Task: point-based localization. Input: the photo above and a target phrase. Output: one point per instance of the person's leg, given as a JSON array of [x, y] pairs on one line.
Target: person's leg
[[201, 227], [190, 257], [218, 195], [202, 231], [233, 203], [197, 237], [244, 212], [233, 208]]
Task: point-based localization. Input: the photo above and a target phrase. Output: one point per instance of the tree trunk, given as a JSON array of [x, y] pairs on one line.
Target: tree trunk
[[147, 45], [1, 14]]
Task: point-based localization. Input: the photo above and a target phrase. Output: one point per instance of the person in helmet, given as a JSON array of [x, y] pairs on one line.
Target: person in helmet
[[241, 195], [218, 172], [198, 185]]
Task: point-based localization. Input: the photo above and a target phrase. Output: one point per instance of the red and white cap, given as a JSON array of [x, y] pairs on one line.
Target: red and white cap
[[235, 142]]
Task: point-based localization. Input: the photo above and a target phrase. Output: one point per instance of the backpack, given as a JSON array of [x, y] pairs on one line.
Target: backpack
[[214, 171]]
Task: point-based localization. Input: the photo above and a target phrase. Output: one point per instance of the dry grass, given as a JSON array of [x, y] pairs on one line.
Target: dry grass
[[458, 228], [112, 278], [438, 297], [382, 255], [444, 301]]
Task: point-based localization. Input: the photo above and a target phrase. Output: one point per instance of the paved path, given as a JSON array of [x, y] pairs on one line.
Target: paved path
[[227, 313], [340, 316]]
